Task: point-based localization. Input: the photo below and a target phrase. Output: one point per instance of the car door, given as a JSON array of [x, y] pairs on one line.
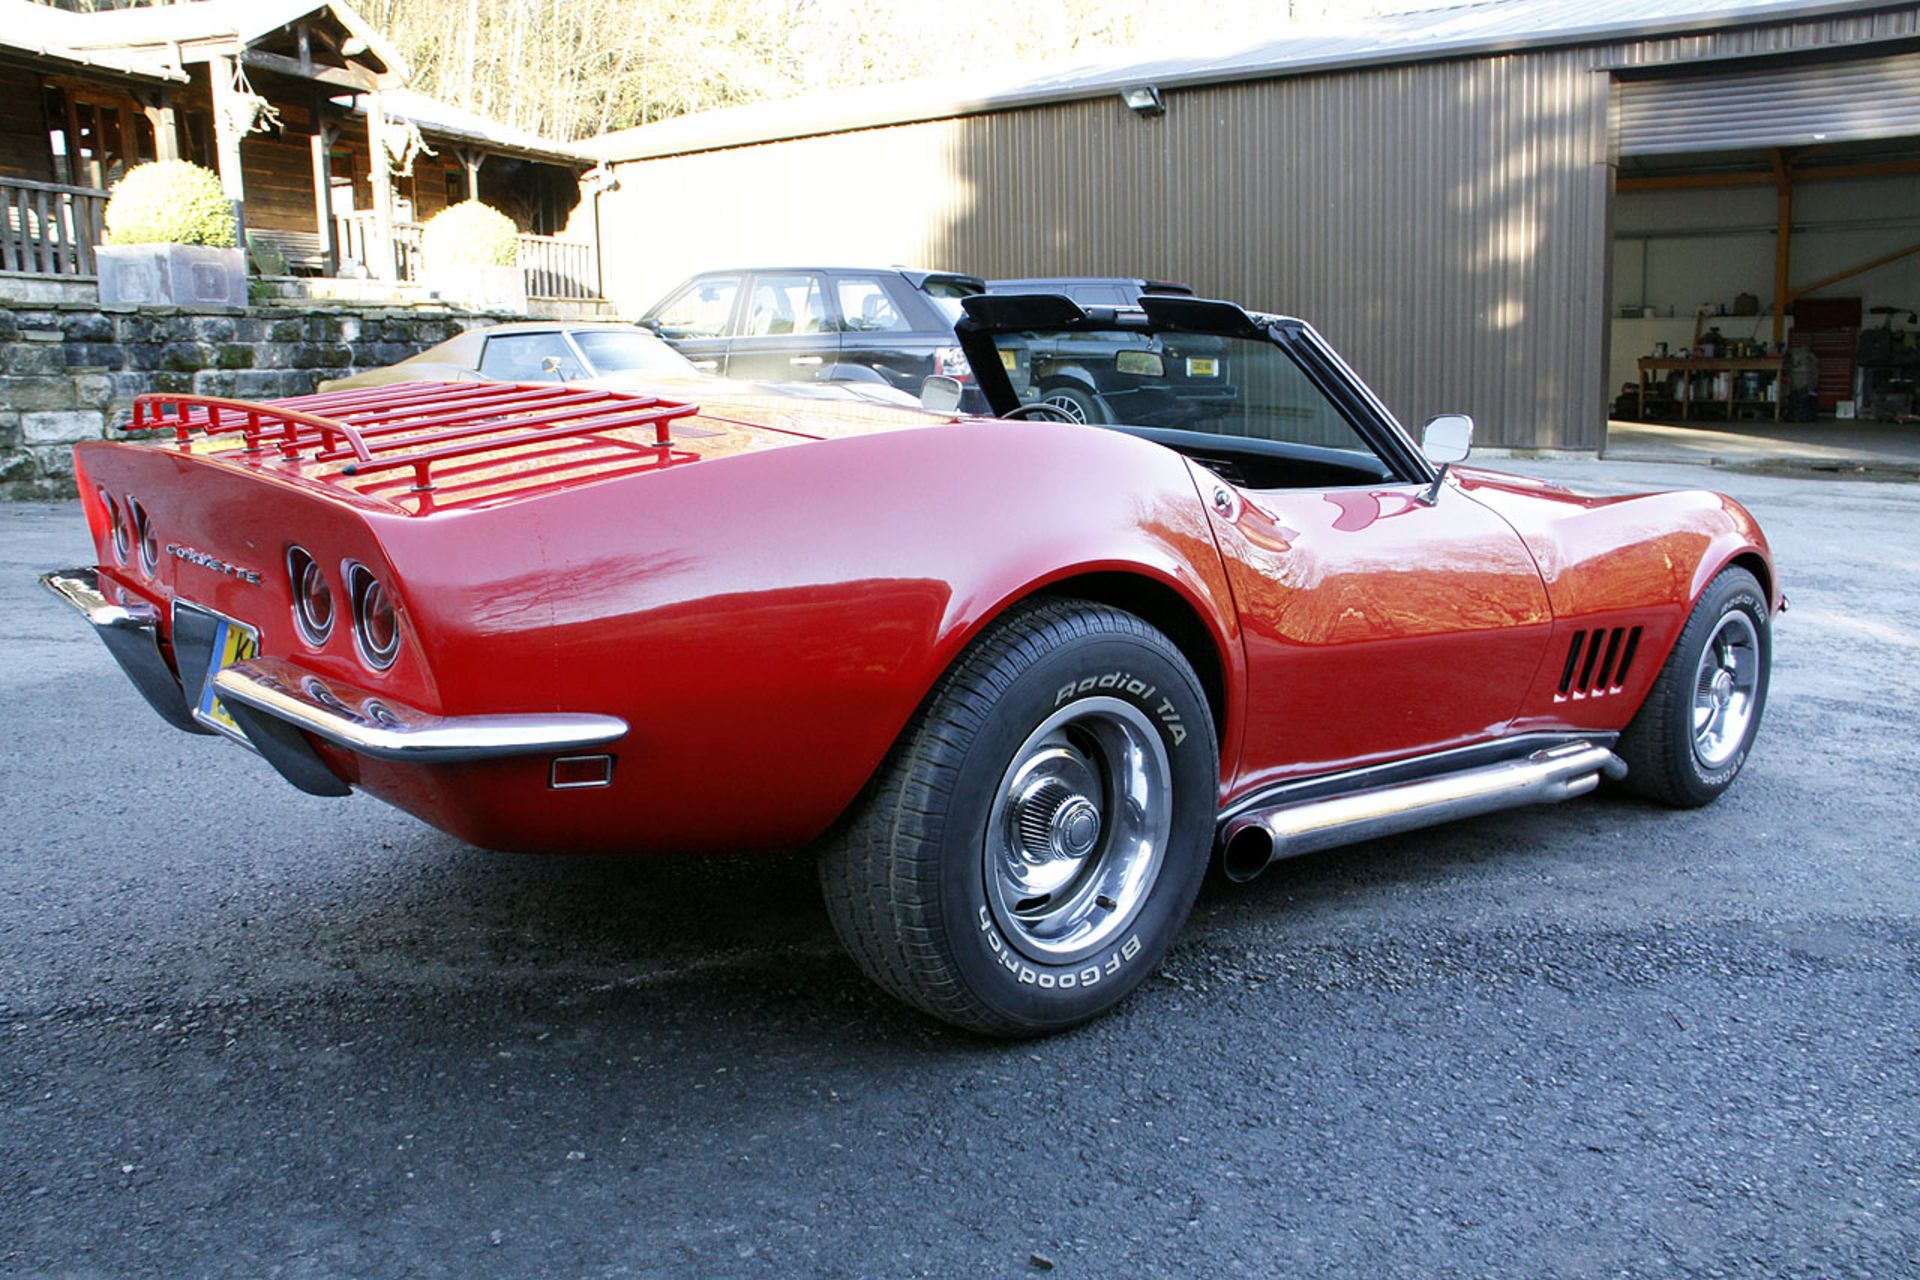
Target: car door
[[698, 319], [877, 329], [787, 332], [1377, 625]]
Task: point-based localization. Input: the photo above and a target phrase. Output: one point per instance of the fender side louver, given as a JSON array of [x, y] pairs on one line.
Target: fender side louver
[[1598, 662]]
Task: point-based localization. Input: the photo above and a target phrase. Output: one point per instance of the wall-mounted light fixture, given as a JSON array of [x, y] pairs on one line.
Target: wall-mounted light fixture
[[1144, 99]]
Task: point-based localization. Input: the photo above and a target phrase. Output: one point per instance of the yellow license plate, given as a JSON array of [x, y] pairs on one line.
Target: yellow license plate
[[1201, 367], [233, 642], [1008, 361]]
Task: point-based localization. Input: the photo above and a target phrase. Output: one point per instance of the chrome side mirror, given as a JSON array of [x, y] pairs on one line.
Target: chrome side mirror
[[940, 394], [1447, 438]]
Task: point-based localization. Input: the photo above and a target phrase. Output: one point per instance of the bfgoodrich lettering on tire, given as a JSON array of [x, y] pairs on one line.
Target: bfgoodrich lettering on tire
[[1035, 840], [1690, 738]]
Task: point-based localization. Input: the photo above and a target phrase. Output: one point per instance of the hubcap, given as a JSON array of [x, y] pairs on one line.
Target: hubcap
[[1725, 686], [1066, 406], [1078, 830]]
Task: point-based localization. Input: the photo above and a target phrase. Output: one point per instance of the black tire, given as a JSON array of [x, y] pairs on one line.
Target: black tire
[[916, 881], [1665, 759], [1074, 404]]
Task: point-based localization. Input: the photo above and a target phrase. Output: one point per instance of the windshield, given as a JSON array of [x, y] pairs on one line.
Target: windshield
[[1227, 386], [613, 351]]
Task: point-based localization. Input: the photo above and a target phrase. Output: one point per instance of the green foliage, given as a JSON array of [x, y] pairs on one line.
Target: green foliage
[[469, 234], [170, 202]]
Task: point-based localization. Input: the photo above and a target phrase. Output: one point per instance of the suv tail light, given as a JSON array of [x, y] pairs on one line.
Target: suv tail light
[[952, 362]]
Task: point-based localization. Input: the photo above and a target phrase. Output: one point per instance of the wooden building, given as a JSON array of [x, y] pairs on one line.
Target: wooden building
[[289, 101]]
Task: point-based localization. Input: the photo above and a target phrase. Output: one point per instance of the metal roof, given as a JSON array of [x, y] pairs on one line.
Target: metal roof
[[160, 31], [445, 119], [40, 31], [1466, 30]]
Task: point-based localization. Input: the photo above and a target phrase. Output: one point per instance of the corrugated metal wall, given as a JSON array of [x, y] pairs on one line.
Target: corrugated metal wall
[[1444, 223]]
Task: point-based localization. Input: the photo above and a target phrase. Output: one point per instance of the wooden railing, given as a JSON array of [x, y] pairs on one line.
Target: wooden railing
[[553, 268], [557, 268], [49, 230], [356, 234]]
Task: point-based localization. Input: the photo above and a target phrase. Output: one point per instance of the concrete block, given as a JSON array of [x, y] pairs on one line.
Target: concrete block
[[22, 395], [62, 427], [100, 355], [88, 327], [25, 358], [187, 357], [92, 390]]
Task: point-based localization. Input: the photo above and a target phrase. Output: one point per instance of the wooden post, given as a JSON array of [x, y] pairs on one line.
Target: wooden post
[[1782, 244], [226, 139], [322, 144], [166, 135], [380, 174], [471, 159]]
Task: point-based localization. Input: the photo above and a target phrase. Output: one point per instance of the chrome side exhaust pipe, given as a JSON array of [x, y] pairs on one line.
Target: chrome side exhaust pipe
[[1256, 839]]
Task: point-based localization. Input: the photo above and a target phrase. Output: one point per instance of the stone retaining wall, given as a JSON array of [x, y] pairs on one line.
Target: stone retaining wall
[[69, 373]]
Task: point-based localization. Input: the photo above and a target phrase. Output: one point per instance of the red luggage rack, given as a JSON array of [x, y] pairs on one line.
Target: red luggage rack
[[419, 424]]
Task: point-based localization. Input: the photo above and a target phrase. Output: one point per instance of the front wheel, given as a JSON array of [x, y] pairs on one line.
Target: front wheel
[[1691, 737], [1069, 403], [1037, 837]]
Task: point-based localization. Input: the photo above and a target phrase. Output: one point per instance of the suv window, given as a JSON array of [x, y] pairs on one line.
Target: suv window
[[786, 304], [946, 295], [700, 310], [866, 307], [521, 357]]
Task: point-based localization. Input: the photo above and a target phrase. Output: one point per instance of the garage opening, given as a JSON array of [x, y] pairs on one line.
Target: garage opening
[[1766, 263]]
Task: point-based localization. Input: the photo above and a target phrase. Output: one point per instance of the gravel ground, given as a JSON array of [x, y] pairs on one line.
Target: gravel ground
[[246, 1032]]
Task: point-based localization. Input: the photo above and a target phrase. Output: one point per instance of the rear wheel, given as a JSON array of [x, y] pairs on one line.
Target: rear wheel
[[1028, 851], [1691, 737]]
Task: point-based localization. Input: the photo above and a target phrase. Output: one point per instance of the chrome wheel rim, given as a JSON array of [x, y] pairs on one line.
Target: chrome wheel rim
[[1078, 831], [1069, 409], [1726, 687]]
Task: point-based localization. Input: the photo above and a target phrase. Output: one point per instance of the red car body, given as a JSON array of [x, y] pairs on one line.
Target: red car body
[[765, 604]]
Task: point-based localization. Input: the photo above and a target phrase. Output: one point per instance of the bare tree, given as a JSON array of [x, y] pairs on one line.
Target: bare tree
[[572, 68]]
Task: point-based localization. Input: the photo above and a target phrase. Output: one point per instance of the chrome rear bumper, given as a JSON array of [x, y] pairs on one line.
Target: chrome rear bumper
[[374, 725], [277, 704], [132, 635]]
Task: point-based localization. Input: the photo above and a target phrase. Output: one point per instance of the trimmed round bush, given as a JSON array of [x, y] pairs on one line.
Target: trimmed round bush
[[170, 202], [469, 234]]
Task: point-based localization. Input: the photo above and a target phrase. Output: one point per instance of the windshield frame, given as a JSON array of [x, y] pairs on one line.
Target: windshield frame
[[989, 314]]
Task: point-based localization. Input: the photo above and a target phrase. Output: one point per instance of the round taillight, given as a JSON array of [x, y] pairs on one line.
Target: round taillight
[[117, 521], [143, 534], [375, 623], [312, 597]]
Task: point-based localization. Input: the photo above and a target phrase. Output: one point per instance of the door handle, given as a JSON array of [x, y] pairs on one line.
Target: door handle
[[804, 360], [704, 364]]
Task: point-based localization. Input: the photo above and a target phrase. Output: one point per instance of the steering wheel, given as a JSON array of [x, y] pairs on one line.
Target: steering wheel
[[1045, 412]]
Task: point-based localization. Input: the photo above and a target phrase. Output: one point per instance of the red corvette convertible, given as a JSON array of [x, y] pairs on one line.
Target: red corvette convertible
[[1019, 680]]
